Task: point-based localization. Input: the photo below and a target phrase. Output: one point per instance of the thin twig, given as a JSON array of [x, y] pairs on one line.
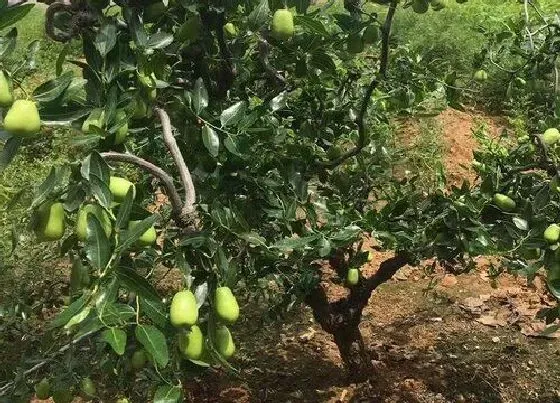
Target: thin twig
[[42, 363], [184, 173], [164, 177]]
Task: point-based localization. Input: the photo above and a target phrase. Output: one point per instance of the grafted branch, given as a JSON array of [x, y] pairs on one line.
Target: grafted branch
[[164, 177], [184, 173], [383, 66]]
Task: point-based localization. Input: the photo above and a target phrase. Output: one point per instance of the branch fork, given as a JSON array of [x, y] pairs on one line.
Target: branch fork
[[182, 208]]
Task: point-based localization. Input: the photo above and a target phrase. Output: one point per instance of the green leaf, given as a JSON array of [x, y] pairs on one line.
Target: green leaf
[[107, 294], [62, 116], [155, 310], [9, 152], [52, 89], [311, 24], [322, 61], [78, 318], [253, 238], [168, 394], [259, 16], [97, 247], [132, 235], [211, 140], [116, 339], [116, 314], [136, 283], [135, 26], [100, 191], [199, 96], [62, 318], [159, 40], [48, 186], [231, 145], [94, 164], [61, 59], [154, 342], [279, 101], [11, 15], [295, 243], [521, 223], [8, 43], [106, 37], [124, 209], [233, 114]]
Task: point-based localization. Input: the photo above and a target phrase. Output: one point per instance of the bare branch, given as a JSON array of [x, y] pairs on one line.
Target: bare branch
[[166, 179], [383, 67], [184, 173]]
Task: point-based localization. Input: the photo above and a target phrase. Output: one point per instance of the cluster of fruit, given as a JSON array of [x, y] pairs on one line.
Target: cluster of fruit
[[184, 315], [22, 118], [49, 221]]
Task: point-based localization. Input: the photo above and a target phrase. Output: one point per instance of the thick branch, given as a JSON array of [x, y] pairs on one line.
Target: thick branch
[[184, 173], [384, 65], [166, 179], [348, 311]]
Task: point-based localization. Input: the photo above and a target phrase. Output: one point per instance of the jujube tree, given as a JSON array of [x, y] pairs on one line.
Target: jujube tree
[[268, 137]]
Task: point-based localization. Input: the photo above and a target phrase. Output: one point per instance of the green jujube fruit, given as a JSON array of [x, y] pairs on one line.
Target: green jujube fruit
[[480, 75], [191, 344], [230, 30], [22, 119], [353, 276], [355, 44], [6, 95], [183, 311], [88, 387], [154, 11], [148, 237], [190, 29], [43, 389], [138, 359], [282, 24], [122, 131], [119, 188], [96, 118], [552, 233], [420, 6], [504, 202], [551, 136], [438, 5], [370, 34], [225, 305], [50, 222], [224, 342], [99, 213]]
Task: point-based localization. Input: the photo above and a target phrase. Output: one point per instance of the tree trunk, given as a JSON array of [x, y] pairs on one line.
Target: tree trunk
[[356, 358]]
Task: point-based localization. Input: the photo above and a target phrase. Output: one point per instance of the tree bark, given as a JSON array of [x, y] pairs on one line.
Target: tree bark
[[355, 356], [342, 318]]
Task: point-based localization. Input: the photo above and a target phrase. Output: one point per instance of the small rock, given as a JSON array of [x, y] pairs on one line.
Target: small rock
[[449, 280], [436, 319], [496, 339]]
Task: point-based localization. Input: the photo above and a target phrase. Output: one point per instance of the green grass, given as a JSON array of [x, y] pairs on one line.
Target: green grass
[[422, 155]]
